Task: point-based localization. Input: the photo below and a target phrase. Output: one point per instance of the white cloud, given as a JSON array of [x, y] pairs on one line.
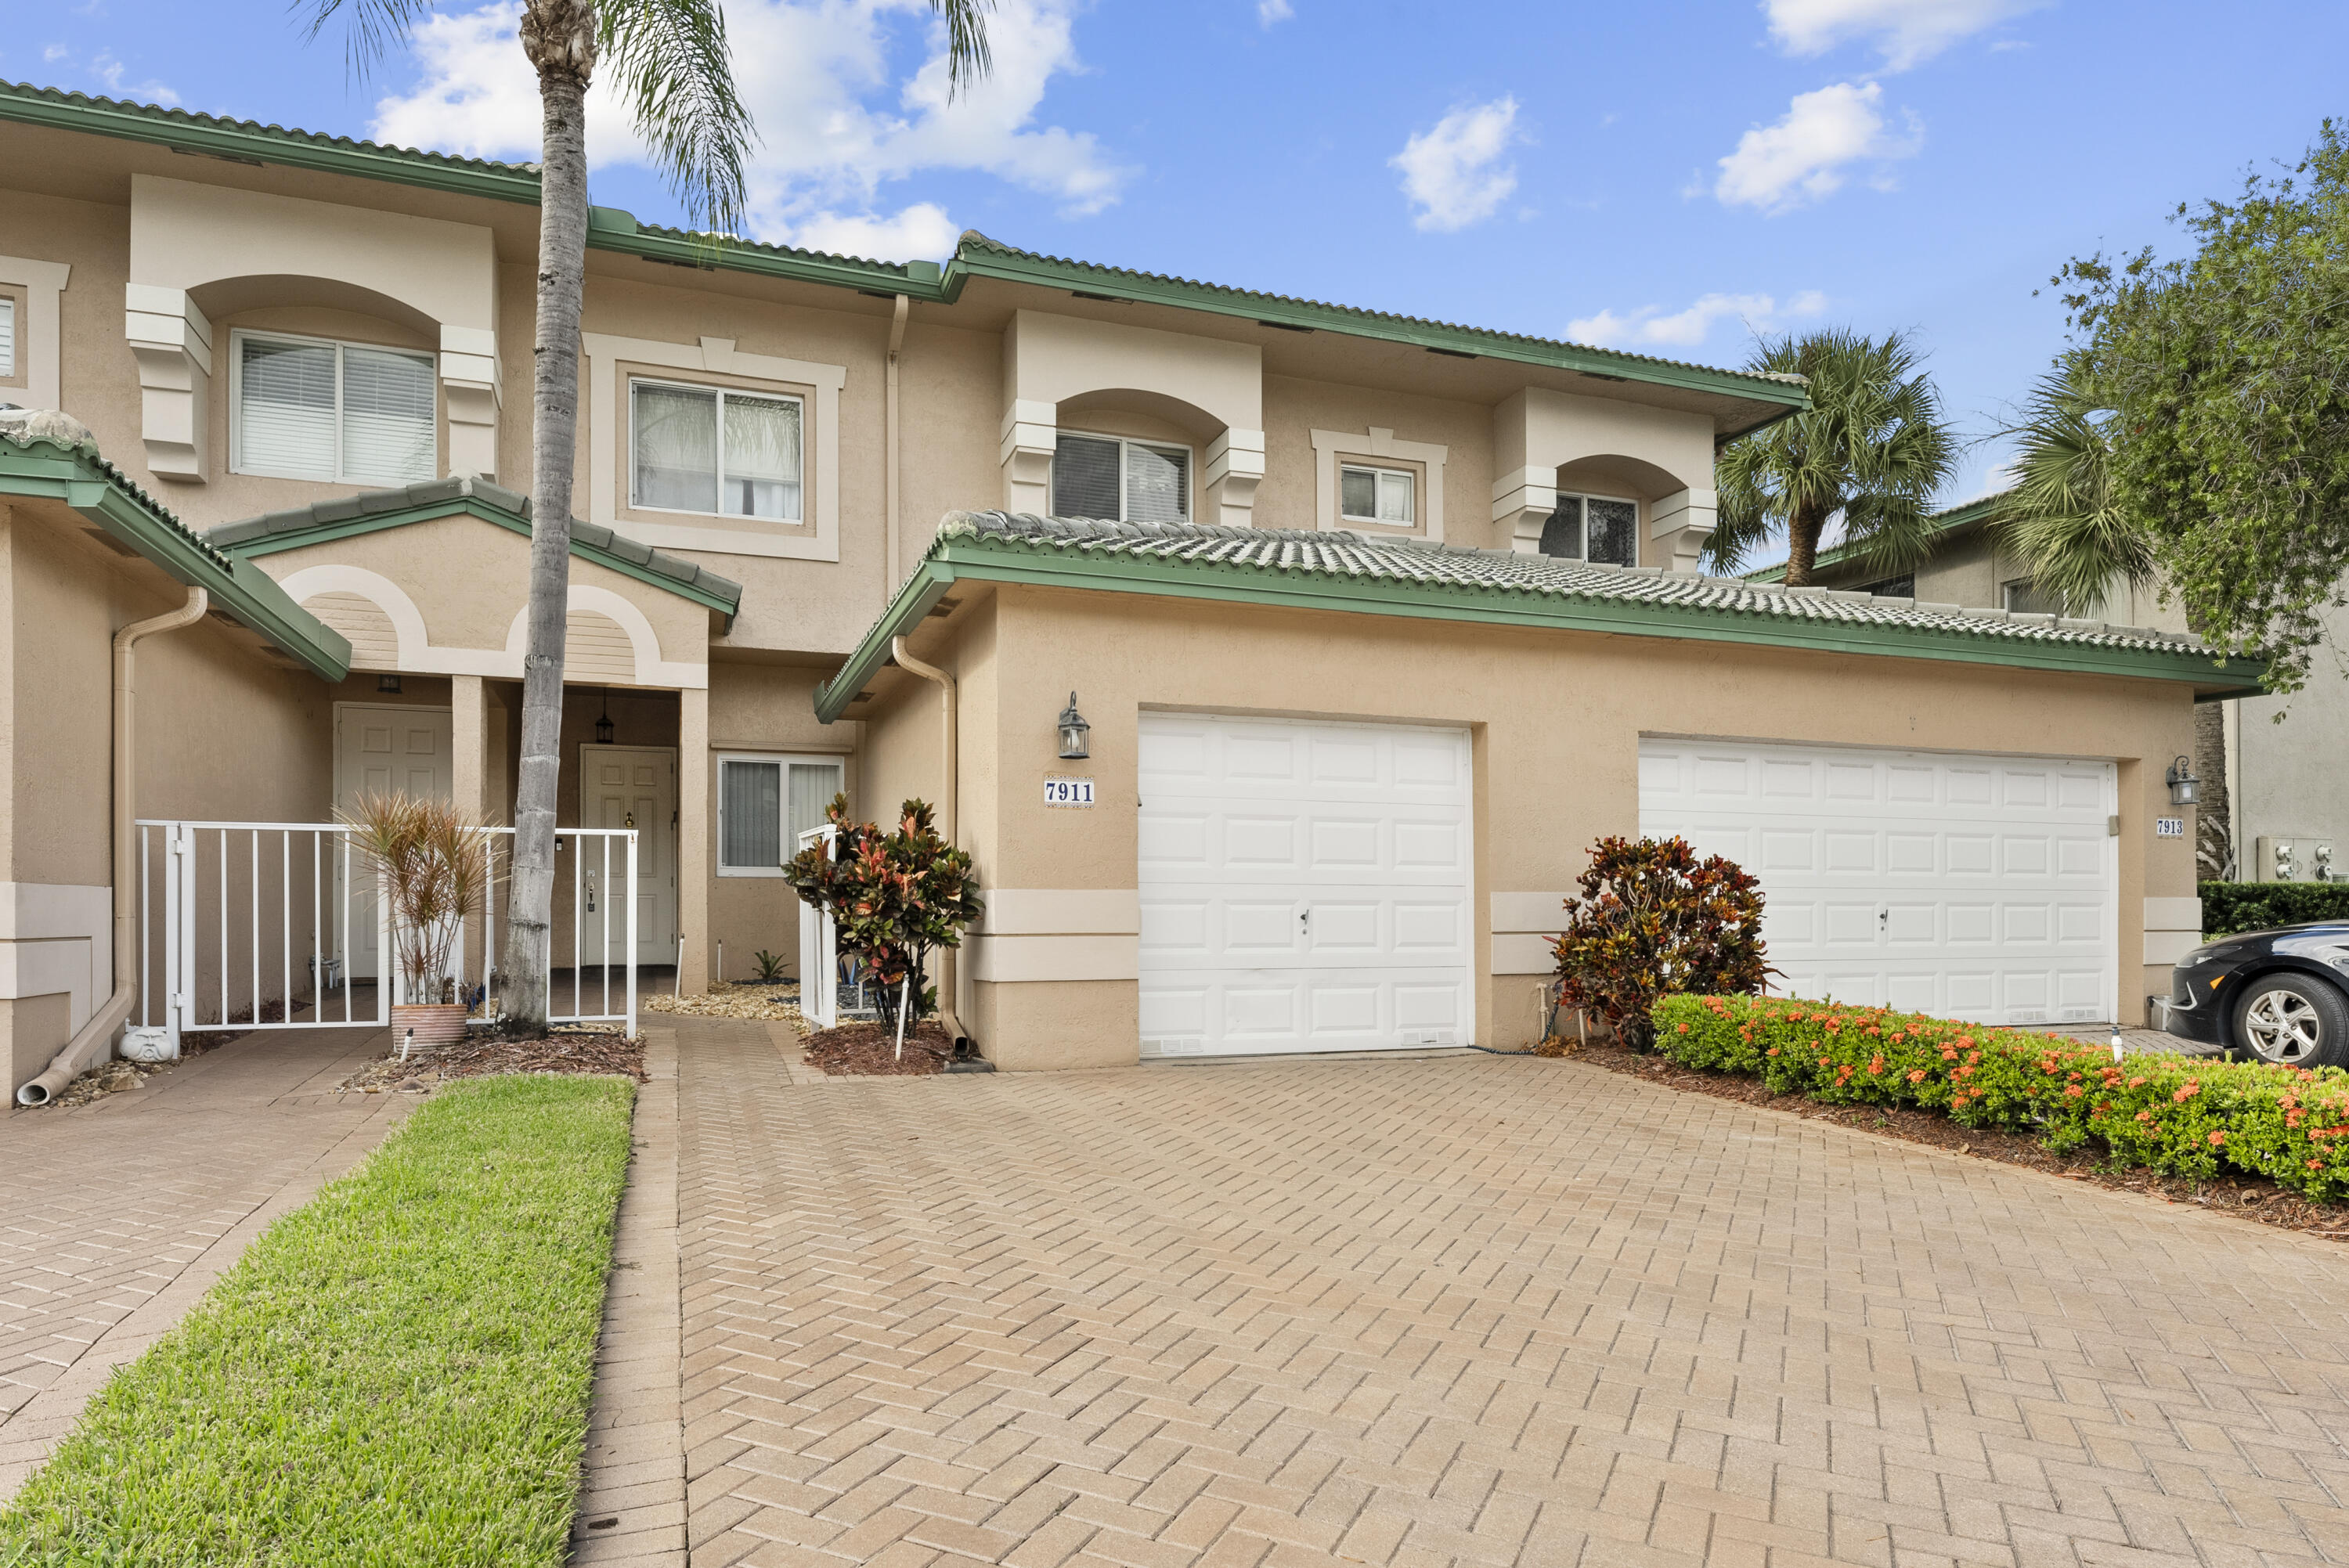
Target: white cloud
[[1804, 158], [1453, 173], [54, 52], [1268, 12], [1905, 31], [836, 125], [107, 73], [1649, 327]]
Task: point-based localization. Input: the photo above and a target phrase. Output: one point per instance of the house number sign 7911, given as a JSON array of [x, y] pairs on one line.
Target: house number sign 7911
[[1076, 792]]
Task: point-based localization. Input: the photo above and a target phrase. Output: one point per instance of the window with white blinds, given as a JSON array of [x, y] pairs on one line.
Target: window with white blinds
[[714, 449], [764, 804], [8, 336], [306, 408], [1123, 482]]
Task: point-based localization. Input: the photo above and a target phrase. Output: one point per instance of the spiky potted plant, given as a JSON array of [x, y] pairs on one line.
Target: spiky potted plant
[[434, 860]]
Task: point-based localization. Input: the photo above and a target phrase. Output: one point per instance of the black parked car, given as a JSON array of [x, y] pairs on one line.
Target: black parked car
[[2279, 996]]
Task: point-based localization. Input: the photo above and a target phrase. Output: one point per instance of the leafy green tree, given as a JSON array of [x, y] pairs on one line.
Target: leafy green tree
[[2229, 368], [670, 61], [1872, 447]]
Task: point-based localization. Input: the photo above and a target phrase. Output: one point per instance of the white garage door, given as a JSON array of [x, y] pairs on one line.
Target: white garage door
[[1305, 886], [1971, 887]]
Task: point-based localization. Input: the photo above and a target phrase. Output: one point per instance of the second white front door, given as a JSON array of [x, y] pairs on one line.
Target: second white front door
[[629, 787], [382, 749]]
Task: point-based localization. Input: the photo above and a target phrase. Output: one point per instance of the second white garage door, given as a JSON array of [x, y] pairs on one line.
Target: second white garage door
[[1305, 886], [1969, 887]]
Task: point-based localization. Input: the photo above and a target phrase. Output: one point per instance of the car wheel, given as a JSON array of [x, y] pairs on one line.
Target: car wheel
[[2293, 1021]]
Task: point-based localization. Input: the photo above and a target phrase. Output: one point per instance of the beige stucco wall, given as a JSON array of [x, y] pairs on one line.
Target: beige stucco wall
[[222, 733], [1556, 718], [758, 709]]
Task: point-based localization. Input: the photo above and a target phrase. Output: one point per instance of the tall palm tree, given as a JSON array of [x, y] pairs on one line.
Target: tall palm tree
[[670, 61], [2063, 516], [1872, 447]]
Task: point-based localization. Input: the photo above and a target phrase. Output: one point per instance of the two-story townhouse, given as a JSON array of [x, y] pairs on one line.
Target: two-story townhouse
[[1376, 621], [2269, 766]]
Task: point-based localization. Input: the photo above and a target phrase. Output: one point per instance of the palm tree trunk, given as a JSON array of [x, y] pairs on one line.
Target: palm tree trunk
[[1803, 527], [559, 36]]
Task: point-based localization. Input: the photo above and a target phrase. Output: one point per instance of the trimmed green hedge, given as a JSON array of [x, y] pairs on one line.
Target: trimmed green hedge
[[2230, 907], [2181, 1116]]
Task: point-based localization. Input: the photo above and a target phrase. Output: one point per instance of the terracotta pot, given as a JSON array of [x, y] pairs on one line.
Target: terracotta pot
[[436, 1024]]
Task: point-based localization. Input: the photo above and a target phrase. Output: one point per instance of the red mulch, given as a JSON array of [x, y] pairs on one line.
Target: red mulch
[[860, 1048], [2246, 1197]]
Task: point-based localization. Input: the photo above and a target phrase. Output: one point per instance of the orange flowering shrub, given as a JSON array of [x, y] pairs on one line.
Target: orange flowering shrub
[[2181, 1116]]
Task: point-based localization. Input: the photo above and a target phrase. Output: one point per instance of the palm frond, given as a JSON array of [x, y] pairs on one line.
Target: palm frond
[[670, 65], [967, 56], [373, 25], [2063, 515]]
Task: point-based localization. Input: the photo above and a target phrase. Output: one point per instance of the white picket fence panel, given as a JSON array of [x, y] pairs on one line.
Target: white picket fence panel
[[819, 949], [234, 915]]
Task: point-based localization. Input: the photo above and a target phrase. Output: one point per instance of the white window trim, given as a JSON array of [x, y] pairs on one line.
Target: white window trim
[[236, 340], [783, 800], [38, 353], [1190, 467], [635, 505], [817, 538], [1631, 501], [1377, 473], [1365, 448]]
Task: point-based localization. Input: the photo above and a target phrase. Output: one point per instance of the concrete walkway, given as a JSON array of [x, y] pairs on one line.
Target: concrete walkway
[[116, 1216], [1461, 1311]]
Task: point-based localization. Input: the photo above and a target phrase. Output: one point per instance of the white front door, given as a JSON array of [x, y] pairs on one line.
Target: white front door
[[1305, 886], [1966, 886], [383, 750], [629, 787]]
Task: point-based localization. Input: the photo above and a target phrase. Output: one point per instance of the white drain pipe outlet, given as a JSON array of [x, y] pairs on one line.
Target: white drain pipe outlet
[[95, 1039]]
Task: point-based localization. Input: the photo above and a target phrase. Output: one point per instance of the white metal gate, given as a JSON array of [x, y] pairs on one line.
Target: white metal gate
[[818, 950], [250, 926]]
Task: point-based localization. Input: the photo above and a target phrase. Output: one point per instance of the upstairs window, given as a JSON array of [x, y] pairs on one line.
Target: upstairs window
[[8, 337], [2023, 597], [1121, 481], [306, 408], [715, 450], [764, 804], [1901, 587], [1596, 529], [1389, 495]]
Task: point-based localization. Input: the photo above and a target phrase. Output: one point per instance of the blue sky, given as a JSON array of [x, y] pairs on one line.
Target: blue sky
[[1655, 177]]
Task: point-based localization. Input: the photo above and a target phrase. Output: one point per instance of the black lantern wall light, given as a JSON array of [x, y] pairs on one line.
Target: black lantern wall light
[[1072, 732], [2181, 781]]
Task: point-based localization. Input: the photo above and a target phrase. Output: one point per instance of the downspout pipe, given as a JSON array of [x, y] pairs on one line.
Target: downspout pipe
[[95, 1038], [889, 444], [950, 986]]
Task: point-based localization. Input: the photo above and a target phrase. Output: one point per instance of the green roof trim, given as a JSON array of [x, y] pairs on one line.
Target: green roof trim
[[40, 463], [1340, 572], [371, 512], [1945, 523], [611, 229]]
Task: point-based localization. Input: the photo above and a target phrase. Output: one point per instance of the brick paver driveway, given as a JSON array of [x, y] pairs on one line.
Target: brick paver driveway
[[1465, 1311], [115, 1217]]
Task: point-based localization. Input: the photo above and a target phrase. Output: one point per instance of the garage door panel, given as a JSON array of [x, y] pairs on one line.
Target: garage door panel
[[1305, 886], [1987, 881]]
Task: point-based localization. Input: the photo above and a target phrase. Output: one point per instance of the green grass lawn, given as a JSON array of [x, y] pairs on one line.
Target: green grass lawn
[[396, 1373]]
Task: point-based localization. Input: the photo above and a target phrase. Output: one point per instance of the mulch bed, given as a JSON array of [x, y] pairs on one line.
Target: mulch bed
[[2249, 1197], [868, 1049], [482, 1055]]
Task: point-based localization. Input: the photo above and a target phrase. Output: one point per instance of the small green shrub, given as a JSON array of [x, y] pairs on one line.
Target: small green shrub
[[2230, 907], [1653, 920], [770, 966], [895, 897], [2181, 1116]]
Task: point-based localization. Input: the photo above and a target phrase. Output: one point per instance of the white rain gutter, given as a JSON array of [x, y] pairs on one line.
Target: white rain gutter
[[950, 988], [95, 1039], [889, 444]]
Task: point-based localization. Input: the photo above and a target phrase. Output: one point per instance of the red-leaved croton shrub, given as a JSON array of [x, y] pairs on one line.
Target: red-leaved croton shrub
[[2181, 1116], [1653, 920]]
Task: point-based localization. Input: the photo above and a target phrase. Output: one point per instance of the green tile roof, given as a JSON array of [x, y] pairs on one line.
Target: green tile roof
[[1343, 571], [50, 455], [371, 512], [976, 256]]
